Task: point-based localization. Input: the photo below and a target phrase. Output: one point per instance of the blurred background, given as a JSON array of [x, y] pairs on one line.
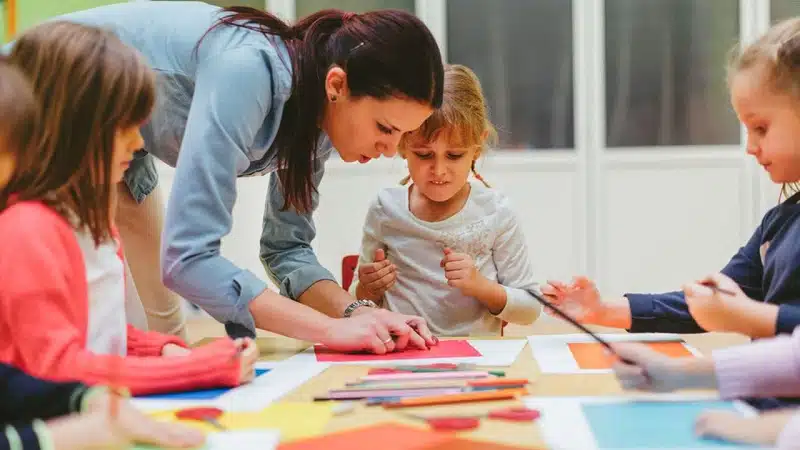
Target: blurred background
[[618, 145]]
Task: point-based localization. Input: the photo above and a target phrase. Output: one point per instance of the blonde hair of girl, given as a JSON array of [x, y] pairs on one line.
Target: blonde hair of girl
[[463, 117]]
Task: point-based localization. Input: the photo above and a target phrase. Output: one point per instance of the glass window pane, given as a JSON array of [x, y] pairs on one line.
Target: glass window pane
[[522, 52], [665, 72], [784, 9], [306, 7]]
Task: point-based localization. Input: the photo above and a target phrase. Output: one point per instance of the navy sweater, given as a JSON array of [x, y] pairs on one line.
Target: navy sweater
[[24, 398], [773, 278]]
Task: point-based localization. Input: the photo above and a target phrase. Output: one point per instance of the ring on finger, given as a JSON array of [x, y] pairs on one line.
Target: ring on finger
[[387, 340]]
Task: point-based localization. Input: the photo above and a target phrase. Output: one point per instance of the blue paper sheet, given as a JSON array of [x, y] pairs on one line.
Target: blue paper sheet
[[651, 424], [202, 394]]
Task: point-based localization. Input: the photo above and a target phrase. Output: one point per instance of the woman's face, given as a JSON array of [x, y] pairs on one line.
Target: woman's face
[[364, 128]]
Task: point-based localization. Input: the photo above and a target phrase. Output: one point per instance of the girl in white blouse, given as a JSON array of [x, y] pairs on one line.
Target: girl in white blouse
[[443, 248]]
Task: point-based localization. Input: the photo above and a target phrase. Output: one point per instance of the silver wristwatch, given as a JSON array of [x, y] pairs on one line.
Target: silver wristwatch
[[357, 304]]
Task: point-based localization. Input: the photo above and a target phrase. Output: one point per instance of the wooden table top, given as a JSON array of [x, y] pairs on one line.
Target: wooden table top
[[276, 348]]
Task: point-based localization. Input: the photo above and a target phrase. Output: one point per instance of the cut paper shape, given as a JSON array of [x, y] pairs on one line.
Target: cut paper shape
[[240, 440], [445, 349], [491, 353], [198, 394], [643, 421], [652, 424], [592, 355], [391, 437], [294, 420], [580, 353]]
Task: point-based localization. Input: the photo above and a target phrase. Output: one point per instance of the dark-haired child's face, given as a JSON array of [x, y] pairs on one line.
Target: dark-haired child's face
[[7, 165], [365, 128], [772, 120]]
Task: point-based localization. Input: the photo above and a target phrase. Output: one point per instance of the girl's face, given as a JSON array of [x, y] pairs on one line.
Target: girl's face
[[439, 169], [7, 165], [364, 128], [126, 142], [772, 120]]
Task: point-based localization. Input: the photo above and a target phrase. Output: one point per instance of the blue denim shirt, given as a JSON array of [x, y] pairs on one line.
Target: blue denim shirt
[[217, 114]]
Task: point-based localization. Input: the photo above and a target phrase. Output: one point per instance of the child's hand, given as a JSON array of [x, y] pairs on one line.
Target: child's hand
[[715, 311], [655, 372], [461, 273], [731, 426], [376, 277], [248, 356], [581, 301], [174, 350], [96, 429]]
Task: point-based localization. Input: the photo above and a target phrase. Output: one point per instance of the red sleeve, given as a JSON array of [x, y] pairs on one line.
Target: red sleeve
[[150, 343], [43, 309]]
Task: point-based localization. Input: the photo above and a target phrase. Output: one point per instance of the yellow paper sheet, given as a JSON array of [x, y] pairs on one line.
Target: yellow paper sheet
[[294, 420]]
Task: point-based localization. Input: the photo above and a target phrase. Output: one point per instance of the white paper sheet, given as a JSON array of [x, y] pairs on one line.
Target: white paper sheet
[[552, 353], [564, 426], [283, 377], [495, 353], [243, 440]]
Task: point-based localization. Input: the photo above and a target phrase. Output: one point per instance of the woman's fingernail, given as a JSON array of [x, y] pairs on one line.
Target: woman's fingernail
[[435, 340]]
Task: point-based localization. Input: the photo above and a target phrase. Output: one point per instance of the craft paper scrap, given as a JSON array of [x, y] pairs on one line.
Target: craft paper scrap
[[391, 437], [198, 394], [579, 353], [486, 352], [446, 349], [592, 355], [652, 424], [239, 440], [294, 420], [641, 421]]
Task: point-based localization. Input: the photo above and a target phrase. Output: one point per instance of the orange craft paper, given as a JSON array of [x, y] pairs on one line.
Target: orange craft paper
[[591, 355], [390, 436]]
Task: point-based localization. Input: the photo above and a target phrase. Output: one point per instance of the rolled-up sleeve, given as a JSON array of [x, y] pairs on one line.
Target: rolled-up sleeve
[[233, 93], [286, 239]]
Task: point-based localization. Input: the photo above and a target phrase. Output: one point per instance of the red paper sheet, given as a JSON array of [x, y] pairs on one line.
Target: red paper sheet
[[458, 348], [391, 437]]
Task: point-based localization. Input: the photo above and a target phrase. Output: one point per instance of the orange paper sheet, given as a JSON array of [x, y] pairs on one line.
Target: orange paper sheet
[[391, 437], [591, 355]]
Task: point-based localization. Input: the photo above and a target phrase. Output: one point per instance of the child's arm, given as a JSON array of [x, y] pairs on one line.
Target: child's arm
[[375, 274], [765, 368], [666, 312], [150, 343], [770, 428], [25, 397], [41, 312], [507, 297]]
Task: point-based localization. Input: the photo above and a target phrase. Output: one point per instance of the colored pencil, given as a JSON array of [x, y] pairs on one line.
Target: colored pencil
[[462, 397]]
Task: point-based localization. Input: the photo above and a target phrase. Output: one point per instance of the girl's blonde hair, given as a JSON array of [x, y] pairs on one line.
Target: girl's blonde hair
[[463, 117], [90, 85], [778, 53]]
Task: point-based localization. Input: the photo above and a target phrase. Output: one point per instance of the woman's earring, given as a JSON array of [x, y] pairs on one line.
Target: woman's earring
[[333, 98]]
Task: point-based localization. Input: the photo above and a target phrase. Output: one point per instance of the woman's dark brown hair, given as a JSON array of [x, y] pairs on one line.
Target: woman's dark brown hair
[[386, 53], [89, 85], [19, 112]]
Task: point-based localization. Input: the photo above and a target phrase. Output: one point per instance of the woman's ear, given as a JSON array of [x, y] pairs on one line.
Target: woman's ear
[[336, 83]]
